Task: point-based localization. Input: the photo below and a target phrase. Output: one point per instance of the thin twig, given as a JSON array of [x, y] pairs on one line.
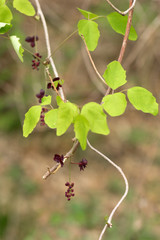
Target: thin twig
[[109, 222], [124, 44], [120, 12], [92, 62], [54, 169], [40, 13]]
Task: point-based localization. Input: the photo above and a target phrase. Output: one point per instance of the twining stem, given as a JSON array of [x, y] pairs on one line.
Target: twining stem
[[40, 13], [109, 222], [54, 169], [120, 12], [124, 43]]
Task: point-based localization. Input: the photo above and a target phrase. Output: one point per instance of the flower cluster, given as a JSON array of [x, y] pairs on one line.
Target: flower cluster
[[82, 164], [70, 191], [36, 61], [32, 40], [40, 95], [59, 159], [49, 85], [44, 110]]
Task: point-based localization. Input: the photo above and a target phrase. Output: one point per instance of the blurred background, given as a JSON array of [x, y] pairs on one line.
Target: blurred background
[[35, 209]]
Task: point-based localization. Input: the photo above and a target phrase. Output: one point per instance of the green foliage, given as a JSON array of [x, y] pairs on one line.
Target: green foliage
[[115, 104], [51, 118], [90, 32], [31, 119], [24, 6], [17, 46], [46, 100], [67, 112], [4, 27], [143, 100], [115, 75], [5, 13], [119, 23], [87, 14], [81, 128], [59, 100], [93, 112]]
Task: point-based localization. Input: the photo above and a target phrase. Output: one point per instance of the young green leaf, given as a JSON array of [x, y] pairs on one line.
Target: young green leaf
[[17, 47], [4, 27], [81, 128], [31, 119], [115, 75], [51, 118], [119, 23], [87, 14], [5, 13], [93, 112], [46, 100], [143, 100], [90, 32], [67, 112], [24, 6], [115, 104], [59, 100]]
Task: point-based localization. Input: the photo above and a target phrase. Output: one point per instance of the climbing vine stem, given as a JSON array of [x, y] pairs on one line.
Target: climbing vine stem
[[109, 222]]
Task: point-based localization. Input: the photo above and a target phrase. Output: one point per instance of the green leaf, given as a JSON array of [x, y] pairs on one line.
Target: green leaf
[[115, 104], [46, 100], [97, 119], [51, 118], [4, 27], [24, 6], [17, 47], [81, 128], [5, 13], [59, 100], [31, 119], [87, 14], [143, 100], [119, 23], [90, 32], [67, 112], [115, 75]]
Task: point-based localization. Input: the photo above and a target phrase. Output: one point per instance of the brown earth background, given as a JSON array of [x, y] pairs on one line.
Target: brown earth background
[[34, 209]]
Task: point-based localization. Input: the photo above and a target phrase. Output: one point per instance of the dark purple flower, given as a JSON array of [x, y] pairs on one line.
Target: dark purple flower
[[31, 40], [69, 193], [40, 95], [49, 85], [59, 159], [82, 164]]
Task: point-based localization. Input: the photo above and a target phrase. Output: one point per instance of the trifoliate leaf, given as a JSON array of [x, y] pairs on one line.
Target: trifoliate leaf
[[31, 119], [24, 6], [87, 14], [97, 119], [143, 100], [5, 13], [46, 100], [115, 75], [115, 104], [51, 118], [17, 47], [81, 128], [4, 27], [119, 23], [67, 112], [90, 32]]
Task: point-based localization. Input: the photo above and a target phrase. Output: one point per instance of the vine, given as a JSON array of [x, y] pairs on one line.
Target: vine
[[92, 116]]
